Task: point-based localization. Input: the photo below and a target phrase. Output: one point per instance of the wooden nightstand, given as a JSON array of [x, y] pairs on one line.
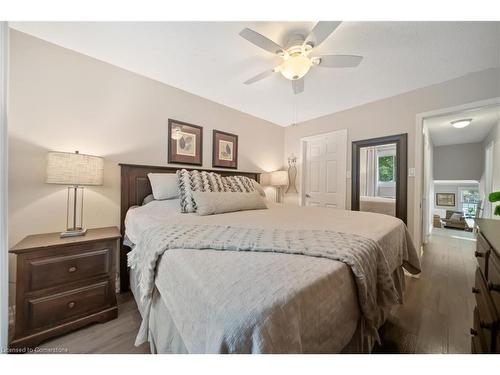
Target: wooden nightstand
[[63, 284]]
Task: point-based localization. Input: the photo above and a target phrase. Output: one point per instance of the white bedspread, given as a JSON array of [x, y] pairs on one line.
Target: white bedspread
[[312, 300]]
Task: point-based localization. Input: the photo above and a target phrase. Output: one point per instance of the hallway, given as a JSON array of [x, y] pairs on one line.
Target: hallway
[[437, 314]]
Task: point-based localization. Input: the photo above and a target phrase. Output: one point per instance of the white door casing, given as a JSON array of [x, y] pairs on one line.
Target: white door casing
[[488, 180], [324, 163]]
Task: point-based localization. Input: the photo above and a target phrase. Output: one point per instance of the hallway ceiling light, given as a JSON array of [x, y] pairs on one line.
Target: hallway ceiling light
[[459, 124]]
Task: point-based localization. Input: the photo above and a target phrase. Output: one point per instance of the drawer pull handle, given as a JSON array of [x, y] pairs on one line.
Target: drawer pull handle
[[473, 332], [494, 287], [71, 305], [72, 269], [477, 254], [475, 290]]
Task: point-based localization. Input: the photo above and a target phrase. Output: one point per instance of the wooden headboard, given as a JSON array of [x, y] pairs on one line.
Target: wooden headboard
[[135, 187]]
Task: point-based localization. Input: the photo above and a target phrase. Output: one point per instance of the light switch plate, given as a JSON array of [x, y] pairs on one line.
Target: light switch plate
[[411, 172]]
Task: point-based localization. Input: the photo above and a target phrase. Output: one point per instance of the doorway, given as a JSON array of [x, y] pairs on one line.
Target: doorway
[[459, 177], [324, 164], [420, 194]]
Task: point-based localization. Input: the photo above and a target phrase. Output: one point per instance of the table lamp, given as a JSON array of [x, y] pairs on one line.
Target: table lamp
[[75, 170], [279, 179]]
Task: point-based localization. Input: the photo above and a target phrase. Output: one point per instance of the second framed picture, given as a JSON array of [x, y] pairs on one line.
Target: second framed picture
[[445, 199], [224, 150], [185, 143]]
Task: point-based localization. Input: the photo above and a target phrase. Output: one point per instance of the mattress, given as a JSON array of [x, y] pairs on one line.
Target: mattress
[[313, 299]]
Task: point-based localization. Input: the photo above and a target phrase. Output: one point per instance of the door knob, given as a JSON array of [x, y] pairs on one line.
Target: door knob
[[308, 196]]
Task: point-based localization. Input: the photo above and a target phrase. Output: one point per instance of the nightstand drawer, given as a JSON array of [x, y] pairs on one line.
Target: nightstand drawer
[[58, 308], [60, 270]]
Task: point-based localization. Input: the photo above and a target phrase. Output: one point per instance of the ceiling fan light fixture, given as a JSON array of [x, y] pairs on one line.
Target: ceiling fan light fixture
[[295, 66], [459, 124]]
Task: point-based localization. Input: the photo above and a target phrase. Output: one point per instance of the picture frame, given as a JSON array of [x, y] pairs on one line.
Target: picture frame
[[185, 143], [224, 150], [445, 199]]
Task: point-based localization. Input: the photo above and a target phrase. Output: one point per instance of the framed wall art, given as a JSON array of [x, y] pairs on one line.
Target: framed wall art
[[224, 150], [445, 199], [185, 143]]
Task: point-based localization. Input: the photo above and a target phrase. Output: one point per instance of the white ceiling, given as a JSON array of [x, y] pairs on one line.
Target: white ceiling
[[211, 60], [483, 120]]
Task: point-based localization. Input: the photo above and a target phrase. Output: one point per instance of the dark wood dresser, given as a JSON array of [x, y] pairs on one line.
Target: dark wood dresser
[[63, 284], [485, 331]]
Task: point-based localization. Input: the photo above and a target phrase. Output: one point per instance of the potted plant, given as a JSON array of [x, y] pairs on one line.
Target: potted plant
[[495, 197]]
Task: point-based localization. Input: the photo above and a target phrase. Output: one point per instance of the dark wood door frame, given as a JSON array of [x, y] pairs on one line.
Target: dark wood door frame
[[401, 141]]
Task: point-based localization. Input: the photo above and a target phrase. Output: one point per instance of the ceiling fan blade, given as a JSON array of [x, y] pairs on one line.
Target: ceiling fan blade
[[320, 32], [298, 85], [260, 41], [339, 61], [258, 77]]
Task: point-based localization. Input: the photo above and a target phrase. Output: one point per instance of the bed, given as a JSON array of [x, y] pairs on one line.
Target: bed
[[250, 302], [381, 205]]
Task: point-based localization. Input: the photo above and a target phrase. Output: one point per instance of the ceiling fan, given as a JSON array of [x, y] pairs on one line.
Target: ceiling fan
[[297, 59]]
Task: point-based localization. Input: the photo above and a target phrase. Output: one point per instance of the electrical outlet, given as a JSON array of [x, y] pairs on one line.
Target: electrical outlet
[[411, 172]]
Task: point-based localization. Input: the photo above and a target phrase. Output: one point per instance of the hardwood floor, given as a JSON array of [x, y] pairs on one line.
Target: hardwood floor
[[437, 314], [114, 337], [435, 318]]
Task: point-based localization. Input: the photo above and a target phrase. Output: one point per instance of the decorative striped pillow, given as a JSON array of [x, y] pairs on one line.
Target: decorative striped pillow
[[190, 181]]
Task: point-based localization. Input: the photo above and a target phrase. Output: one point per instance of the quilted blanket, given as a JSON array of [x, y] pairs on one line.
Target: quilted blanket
[[375, 287]]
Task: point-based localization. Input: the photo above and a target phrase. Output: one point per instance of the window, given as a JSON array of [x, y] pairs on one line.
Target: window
[[386, 168], [469, 199]]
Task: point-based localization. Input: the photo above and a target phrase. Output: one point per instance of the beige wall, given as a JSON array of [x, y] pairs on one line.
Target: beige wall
[[65, 101], [396, 115]]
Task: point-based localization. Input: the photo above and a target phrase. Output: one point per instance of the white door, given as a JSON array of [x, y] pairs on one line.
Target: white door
[[324, 170]]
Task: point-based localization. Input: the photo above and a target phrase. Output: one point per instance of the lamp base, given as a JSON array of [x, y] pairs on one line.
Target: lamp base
[[73, 233]]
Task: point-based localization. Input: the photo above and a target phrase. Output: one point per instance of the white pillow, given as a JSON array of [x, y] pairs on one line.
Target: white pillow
[[259, 188], [164, 185], [209, 203]]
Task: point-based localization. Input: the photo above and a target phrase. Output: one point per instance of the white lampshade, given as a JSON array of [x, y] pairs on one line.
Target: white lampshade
[[279, 178], [74, 169], [265, 179]]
